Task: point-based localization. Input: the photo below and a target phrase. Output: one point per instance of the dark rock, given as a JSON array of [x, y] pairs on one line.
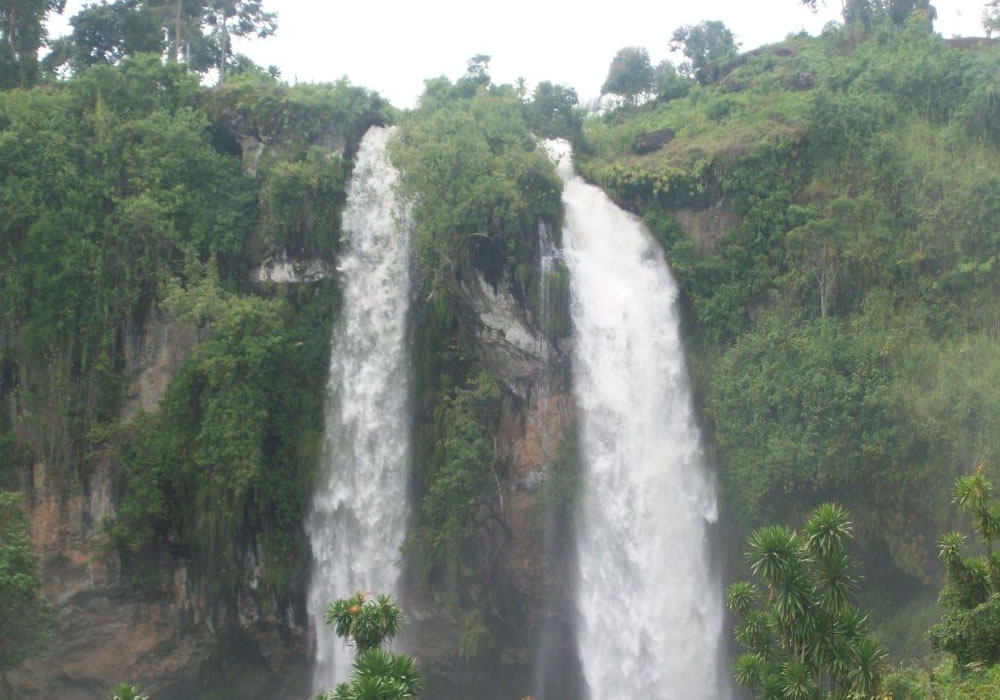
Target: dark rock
[[652, 141], [803, 80]]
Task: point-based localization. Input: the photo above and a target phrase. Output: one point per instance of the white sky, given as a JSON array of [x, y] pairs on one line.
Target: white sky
[[394, 45]]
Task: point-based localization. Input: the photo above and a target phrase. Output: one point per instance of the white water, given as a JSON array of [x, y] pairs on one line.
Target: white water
[[650, 610], [358, 518]]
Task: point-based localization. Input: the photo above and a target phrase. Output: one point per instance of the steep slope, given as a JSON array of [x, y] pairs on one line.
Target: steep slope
[[828, 206]]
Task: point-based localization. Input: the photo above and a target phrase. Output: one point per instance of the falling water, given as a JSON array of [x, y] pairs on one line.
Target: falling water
[[358, 518], [650, 609]]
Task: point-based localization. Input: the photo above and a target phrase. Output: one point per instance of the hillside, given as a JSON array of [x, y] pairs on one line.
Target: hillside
[[169, 287]]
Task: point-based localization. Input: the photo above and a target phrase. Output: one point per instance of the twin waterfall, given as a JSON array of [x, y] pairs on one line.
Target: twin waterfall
[[358, 519], [650, 611]]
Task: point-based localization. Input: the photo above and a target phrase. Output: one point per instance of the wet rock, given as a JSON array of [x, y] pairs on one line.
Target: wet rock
[[652, 141]]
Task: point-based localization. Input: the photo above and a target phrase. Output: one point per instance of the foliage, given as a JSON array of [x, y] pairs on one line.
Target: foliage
[[199, 32], [945, 683], [108, 183], [703, 44], [232, 451], [365, 622], [25, 617], [826, 206], [552, 112], [805, 639], [630, 74], [378, 674], [105, 34], [457, 499], [867, 11], [301, 203], [970, 628], [126, 209], [126, 691], [481, 189], [668, 83], [991, 16], [296, 118], [22, 33], [480, 184]]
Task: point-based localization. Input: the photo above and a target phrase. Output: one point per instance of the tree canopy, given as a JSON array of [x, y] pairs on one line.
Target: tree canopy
[[197, 32], [704, 44], [802, 635], [630, 74], [22, 34], [367, 624]]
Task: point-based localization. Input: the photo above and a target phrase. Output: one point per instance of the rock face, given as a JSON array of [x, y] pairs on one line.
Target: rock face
[[708, 226], [281, 268], [652, 141], [162, 629], [536, 563], [156, 627]]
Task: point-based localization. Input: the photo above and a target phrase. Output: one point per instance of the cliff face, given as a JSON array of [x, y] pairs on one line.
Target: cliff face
[[165, 633], [154, 620], [171, 636], [532, 558], [161, 628]]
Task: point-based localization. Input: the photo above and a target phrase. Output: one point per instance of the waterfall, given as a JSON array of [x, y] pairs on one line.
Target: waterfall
[[358, 517], [650, 610]]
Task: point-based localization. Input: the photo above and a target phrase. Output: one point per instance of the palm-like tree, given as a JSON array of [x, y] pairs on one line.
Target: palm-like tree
[[126, 691], [378, 673], [820, 648]]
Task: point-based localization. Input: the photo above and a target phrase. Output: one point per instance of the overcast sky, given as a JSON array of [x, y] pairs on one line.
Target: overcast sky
[[393, 45]]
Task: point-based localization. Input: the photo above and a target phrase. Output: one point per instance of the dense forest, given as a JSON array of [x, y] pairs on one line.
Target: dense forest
[[828, 205]]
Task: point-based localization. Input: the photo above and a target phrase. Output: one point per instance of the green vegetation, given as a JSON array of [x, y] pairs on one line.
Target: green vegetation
[[481, 189], [22, 33], [199, 32], [367, 624], [703, 44], [630, 74], [25, 617], [126, 691], [970, 629], [828, 206], [806, 639], [125, 208]]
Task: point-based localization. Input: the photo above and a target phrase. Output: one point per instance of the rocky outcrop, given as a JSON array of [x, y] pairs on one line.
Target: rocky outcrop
[[652, 141], [536, 563], [278, 267], [152, 357], [708, 226], [156, 625]]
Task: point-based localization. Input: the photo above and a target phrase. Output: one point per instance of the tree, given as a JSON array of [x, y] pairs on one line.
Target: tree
[[25, 617], [668, 83], [630, 74], [864, 11], [552, 112], [704, 44], [970, 627], [236, 18], [22, 33], [104, 34], [378, 674], [991, 17], [803, 637]]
